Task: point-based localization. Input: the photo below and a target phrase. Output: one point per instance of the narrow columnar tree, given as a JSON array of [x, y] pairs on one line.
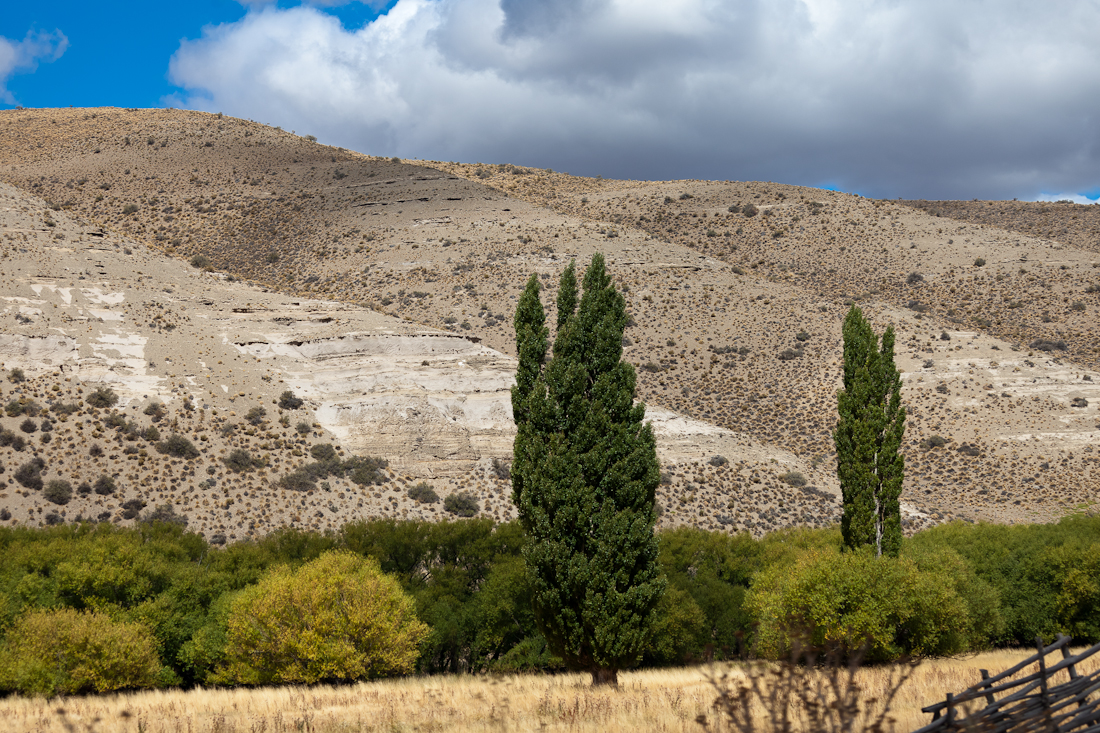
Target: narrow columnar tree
[[870, 465], [584, 478]]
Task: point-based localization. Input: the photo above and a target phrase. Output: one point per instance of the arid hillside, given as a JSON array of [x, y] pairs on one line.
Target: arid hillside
[[737, 293]]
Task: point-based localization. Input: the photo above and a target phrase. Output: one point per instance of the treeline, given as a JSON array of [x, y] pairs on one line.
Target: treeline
[[163, 598]]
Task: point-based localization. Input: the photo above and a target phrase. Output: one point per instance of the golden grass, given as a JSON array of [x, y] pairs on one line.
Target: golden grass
[[652, 700]]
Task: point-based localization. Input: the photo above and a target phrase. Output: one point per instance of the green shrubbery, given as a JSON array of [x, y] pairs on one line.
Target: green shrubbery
[[954, 588]]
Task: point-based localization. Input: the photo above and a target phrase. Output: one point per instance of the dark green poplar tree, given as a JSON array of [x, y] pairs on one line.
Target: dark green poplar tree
[[584, 478], [868, 436]]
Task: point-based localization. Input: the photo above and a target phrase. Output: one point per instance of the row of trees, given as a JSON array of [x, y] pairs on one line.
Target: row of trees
[[585, 469], [155, 606]]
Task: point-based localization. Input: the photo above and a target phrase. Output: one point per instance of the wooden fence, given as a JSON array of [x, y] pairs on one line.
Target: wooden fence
[[1033, 703]]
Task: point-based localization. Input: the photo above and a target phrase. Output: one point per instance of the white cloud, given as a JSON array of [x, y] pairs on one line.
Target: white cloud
[[931, 99], [23, 56]]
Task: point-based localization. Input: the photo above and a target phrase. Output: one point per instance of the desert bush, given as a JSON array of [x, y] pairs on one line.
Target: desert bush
[[935, 441], [202, 262], [102, 397], [289, 401], [717, 461], [423, 493], [151, 434], [239, 461], [750, 210], [178, 446], [914, 278], [462, 504], [114, 420], [980, 262], [14, 408], [16, 376], [156, 411], [130, 209], [255, 416], [165, 514], [58, 491], [64, 408], [303, 428], [336, 618], [365, 470], [848, 600], [6, 438], [131, 508], [793, 478], [28, 426], [1077, 306], [30, 473], [297, 481], [95, 450], [105, 485], [323, 452], [66, 652], [502, 469]]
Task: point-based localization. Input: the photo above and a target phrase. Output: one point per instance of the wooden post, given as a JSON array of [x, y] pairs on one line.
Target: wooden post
[[988, 695], [1066, 654], [950, 710]]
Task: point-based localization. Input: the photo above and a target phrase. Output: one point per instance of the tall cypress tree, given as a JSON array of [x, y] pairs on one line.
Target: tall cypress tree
[[584, 478], [868, 436]]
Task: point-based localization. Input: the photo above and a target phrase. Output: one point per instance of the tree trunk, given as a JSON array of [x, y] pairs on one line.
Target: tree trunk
[[605, 677]]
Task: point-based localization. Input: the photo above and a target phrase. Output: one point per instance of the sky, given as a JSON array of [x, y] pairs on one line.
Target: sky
[[934, 99]]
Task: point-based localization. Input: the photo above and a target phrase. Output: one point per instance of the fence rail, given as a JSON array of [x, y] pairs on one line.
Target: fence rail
[[1034, 703]]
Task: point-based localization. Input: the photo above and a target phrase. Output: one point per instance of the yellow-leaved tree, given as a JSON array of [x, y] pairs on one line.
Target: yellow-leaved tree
[[64, 652], [338, 617]]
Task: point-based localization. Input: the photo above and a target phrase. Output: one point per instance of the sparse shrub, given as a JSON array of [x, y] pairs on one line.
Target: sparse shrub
[[945, 336], [63, 408], [1048, 345], [53, 518], [131, 508], [130, 209], [423, 493], [165, 514], [502, 469], [255, 416], [793, 478], [28, 426], [366, 471], [803, 336], [789, 354], [749, 210], [718, 461], [105, 485], [303, 428], [370, 622], [103, 397], [6, 438], [289, 401], [1077, 306], [914, 278], [239, 461], [178, 446], [151, 434], [156, 411], [16, 376], [323, 452], [14, 408], [58, 491], [980, 262], [95, 451], [84, 488], [30, 473], [734, 209], [114, 420], [462, 504], [936, 441], [201, 262], [297, 481], [65, 652]]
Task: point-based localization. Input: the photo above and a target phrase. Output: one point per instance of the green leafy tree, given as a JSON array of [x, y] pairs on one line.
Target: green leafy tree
[[584, 478], [870, 465]]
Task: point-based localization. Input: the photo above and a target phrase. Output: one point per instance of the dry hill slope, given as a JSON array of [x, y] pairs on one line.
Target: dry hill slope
[[737, 316]]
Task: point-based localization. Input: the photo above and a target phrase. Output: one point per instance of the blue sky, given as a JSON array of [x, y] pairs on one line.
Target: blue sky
[[886, 98]]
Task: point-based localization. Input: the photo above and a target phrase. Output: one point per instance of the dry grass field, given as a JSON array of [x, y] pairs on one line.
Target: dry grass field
[[654, 700]]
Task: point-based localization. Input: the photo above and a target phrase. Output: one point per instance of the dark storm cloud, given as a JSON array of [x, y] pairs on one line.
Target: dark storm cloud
[[928, 99]]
